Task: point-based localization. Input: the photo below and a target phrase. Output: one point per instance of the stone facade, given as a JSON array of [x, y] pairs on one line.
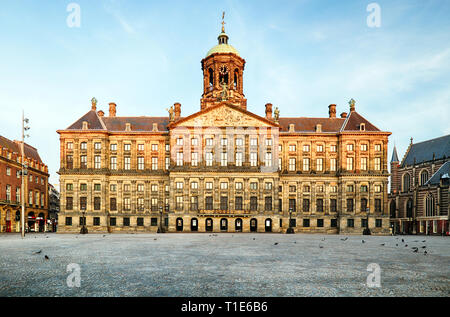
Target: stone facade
[[223, 169]]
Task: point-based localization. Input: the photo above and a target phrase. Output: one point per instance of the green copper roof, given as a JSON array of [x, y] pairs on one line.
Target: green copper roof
[[222, 48]]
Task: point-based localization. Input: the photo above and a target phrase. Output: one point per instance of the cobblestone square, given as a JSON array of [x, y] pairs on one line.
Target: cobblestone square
[[223, 265]]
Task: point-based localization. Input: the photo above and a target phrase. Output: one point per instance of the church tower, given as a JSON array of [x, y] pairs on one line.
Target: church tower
[[222, 74]]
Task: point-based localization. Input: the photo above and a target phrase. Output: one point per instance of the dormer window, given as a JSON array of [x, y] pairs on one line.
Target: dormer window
[[362, 127], [85, 125], [127, 126]]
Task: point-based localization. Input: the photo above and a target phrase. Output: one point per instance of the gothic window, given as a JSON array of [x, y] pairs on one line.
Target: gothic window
[[406, 182], [423, 177], [429, 206]]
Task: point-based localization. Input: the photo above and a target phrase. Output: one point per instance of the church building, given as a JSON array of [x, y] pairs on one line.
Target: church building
[[223, 168]]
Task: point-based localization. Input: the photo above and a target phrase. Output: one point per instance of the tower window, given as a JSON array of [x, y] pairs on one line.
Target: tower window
[[211, 77]]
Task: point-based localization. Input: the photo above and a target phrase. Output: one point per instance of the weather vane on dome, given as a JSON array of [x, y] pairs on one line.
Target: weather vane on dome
[[223, 22]]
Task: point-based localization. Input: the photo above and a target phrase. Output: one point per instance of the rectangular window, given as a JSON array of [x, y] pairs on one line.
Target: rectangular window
[[112, 187], [239, 142], [140, 187], [378, 205], [253, 203], [350, 204], [127, 163], [141, 164], [68, 221], [179, 202], [140, 204], [292, 164], [209, 142], [97, 187], [363, 223], [167, 163], [224, 185], [154, 147], [96, 221], [126, 221], [349, 163], [306, 164], [70, 145], [194, 158], [253, 159], [209, 203], [268, 203], [153, 222], [194, 141], [154, 204], [83, 146], [377, 147], [238, 158], [223, 141], [292, 148], [97, 146], [306, 223], [350, 147], [333, 148], [319, 164], [167, 147], [333, 205], [113, 147], [333, 223], [333, 165], [194, 203], [126, 187], [268, 160], [377, 164], [364, 163], [350, 223], [69, 203], [292, 205], [253, 141], [363, 147], [113, 204], [254, 185], [223, 203], [377, 188], [319, 205], [268, 186], [140, 221], [320, 223], [305, 205], [223, 158], [180, 158], [141, 147], [83, 203], [319, 148], [305, 148], [238, 203], [112, 221], [83, 187], [127, 147], [179, 185], [113, 162], [378, 223], [209, 158], [83, 161], [209, 185], [127, 204], [154, 163], [238, 186]]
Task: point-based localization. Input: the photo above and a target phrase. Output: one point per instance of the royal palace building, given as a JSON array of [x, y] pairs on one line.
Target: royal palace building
[[35, 187], [420, 188], [223, 168]]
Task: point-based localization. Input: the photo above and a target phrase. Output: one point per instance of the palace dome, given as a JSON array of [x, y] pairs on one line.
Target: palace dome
[[223, 46]]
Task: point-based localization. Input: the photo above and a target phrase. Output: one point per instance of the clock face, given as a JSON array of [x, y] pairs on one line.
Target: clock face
[[223, 69]]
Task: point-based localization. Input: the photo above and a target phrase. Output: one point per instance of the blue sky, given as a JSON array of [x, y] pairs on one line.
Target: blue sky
[[300, 55]]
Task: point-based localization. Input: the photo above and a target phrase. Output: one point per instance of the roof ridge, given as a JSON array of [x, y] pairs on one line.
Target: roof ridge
[[440, 137]]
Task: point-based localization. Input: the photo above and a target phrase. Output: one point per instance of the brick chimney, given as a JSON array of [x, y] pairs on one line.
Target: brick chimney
[[332, 111], [268, 111], [112, 109], [101, 113], [344, 115], [177, 110]]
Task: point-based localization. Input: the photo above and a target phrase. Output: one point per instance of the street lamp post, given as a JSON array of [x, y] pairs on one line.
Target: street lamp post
[[290, 229], [160, 229], [84, 230], [24, 170]]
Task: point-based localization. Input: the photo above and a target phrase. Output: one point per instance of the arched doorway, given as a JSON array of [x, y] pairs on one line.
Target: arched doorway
[[194, 224], [253, 225], [223, 224], [31, 222], [268, 225], [41, 222], [179, 224], [209, 224], [8, 221], [238, 225]]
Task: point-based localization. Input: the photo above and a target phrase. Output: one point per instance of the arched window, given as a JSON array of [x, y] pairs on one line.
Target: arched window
[[423, 177], [429, 206], [211, 77], [223, 224], [392, 209], [236, 78], [406, 182]]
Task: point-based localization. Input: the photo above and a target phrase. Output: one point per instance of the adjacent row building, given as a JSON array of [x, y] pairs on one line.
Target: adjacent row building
[[36, 187], [420, 188], [223, 168]]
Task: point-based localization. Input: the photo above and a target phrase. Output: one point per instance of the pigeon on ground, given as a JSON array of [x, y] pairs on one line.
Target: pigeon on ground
[[363, 241], [104, 235], [323, 239], [321, 246], [253, 238], [403, 240], [416, 250], [424, 240], [345, 239], [295, 241], [425, 252], [382, 244], [46, 257], [155, 239], [396, 244], [37, 252], [406, 245], [276, 243], [424, 247]]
